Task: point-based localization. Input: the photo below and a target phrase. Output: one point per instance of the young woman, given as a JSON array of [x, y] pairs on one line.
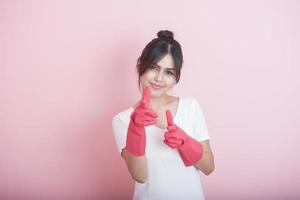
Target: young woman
[[163, 139]]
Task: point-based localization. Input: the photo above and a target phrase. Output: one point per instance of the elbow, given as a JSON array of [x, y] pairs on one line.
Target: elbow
[[140, 179], [139, 176], [209, 171]]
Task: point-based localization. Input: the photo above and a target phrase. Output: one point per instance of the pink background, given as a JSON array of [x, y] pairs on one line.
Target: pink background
[[67, 67]]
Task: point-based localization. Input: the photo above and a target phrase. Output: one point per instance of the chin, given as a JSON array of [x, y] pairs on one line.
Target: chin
[[158, 94]]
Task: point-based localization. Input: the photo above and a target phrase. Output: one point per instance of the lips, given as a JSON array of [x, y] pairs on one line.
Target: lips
[[156, 87]]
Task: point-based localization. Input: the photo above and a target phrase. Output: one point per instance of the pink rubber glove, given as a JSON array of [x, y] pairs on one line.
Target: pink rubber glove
[[190, 150], [142, 116]]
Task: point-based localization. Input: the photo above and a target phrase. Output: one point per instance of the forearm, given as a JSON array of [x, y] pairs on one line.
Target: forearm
[[137, 166], [198, 154], [206, 163]]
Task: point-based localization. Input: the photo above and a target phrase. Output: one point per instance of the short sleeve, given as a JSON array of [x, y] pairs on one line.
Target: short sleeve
[[120, 132], [199, 124]]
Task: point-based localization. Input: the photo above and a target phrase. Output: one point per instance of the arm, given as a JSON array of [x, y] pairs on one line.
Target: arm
[[191, 151], [137, 166], [206, 163], [134, 151]]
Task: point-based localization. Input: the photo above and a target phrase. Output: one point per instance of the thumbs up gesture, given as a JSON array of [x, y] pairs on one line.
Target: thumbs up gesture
[[189, 149], [142, 116]]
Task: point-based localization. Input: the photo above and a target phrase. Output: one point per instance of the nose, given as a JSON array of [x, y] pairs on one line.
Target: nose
[[159, 76]]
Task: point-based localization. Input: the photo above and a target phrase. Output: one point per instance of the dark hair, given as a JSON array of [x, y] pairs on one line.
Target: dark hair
[[156, 49]]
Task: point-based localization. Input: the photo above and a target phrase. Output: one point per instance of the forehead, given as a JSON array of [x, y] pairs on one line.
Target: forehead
[[166, 62]]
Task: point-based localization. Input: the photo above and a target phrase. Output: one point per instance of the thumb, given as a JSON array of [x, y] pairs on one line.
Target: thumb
[[169, 118]]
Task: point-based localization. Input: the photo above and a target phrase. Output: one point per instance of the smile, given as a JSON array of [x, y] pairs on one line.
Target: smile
[[156, 87]]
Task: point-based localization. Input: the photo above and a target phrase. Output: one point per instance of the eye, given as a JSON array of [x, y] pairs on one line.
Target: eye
[[170, 73]]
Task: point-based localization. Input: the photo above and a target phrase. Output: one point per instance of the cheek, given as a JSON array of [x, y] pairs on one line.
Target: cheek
[[170, 83], [147, 76], [144, 78]]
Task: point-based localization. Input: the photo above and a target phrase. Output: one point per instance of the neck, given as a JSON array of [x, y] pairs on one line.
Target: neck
[[156, 102]]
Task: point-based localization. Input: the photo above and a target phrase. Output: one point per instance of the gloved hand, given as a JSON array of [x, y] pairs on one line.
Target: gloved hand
[[190, 150], [142, 116]]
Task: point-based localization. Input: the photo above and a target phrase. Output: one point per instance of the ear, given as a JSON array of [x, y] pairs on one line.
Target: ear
[[138, 62]]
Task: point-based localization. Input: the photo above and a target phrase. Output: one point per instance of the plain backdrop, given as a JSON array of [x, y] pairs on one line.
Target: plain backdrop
[[67, 67]]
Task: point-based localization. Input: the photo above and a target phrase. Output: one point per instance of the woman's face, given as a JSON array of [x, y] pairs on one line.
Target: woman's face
[[160, 77]]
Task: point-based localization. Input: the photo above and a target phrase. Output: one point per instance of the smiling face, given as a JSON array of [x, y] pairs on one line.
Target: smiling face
[[161, 76]]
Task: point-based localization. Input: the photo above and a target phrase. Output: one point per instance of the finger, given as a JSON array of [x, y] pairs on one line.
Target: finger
[[177, 141], [148, 118], [150, 113], [169, 135], [169, 118], [170, 144], [146, 96], [172, 128], [144, 118], [148, 123]]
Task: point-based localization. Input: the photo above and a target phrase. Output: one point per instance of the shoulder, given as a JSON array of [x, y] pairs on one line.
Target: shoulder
[[190, 102], [123, 116]]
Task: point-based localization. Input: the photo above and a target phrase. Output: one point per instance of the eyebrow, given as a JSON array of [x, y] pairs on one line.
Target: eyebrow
[[166, 68]]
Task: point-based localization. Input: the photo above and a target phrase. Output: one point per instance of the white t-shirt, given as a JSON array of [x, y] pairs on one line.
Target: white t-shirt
[[168, 177]]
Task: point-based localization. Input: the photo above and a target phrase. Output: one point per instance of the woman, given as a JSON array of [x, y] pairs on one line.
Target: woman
[[163, 139]]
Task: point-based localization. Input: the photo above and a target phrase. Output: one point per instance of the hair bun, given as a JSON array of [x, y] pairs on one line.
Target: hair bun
[[165, 34]]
